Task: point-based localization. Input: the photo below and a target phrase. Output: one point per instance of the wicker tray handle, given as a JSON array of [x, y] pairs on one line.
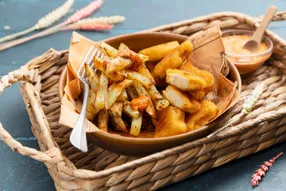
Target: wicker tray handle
[[51, 156]]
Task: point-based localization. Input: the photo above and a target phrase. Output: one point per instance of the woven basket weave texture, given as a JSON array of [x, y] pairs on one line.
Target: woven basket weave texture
[[99, 169]]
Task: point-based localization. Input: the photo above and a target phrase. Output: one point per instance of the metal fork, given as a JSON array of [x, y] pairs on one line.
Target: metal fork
[[78, 135]]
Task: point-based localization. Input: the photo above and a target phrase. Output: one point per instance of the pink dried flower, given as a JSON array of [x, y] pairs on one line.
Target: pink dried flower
[[86, 11], [82, 13], [89, 27], [259, 173]]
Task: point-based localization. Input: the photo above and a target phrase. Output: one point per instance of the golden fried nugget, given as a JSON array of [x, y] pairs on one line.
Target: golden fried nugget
[[156, 53], [170, 122], [207, 112], [207, 76], [199, 95], [174, 59], [185, 80], [181, 100]]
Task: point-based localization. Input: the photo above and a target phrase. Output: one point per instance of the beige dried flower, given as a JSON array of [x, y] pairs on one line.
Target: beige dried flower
[[101, 20], [45, 21], [252, 98], [55, 15]]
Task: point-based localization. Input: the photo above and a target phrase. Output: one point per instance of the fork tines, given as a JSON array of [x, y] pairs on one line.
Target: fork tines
[[93, 51]]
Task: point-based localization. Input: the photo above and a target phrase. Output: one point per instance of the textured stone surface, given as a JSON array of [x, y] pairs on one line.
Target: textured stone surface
[[21, 173]]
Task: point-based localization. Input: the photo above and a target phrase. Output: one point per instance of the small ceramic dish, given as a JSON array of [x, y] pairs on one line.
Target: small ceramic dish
[[248, 63], [144, 146]]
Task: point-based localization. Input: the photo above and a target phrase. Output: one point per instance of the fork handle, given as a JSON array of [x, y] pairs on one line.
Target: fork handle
[[80, 142]]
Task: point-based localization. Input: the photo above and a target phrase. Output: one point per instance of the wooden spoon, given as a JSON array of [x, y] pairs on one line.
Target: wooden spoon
[[253, 43]]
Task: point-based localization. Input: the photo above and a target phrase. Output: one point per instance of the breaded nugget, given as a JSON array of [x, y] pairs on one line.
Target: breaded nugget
[[156, 53], [198, 95], [174, 59], [207, 112], [181, 100], [170, 122], [207, 76], [185, 80]]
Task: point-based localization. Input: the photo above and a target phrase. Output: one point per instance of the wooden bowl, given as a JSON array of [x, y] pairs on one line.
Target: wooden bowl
[[143, 146]]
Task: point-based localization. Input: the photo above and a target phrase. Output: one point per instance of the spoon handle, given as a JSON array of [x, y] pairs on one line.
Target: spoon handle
[[264, 24]]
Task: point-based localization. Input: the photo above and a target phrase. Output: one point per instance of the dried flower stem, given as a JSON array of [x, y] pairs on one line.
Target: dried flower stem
[[102, 20], [97, 23], [85, 12], [45, 21], [259, 173], [82, 13], [88, 27]]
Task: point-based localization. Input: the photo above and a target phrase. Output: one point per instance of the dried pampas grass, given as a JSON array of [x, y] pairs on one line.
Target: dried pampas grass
[[78, 15], [95, 24], [89, 27], [85, 12], [101, 20], [45, 21], [55, 15]]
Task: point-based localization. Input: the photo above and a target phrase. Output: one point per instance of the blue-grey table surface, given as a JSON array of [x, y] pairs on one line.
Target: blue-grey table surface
[[19, 173]]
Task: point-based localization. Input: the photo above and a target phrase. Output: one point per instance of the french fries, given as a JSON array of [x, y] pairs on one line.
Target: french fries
[[101, 95], [160, 102], [136, 125], [129, 111], [158, 52], [142, 91], [123, 96], [123, 88], [131, 92], [115, 90], [123, 48], [116, 113], [117, 64], [136, 59], [143, 70], [91, 110], [154, 93], [110, 51], [100, 64], [103, 118], [139, 78], [92, 77]]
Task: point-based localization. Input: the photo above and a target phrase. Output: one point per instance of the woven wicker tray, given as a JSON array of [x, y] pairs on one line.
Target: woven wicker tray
[[103, 170]]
